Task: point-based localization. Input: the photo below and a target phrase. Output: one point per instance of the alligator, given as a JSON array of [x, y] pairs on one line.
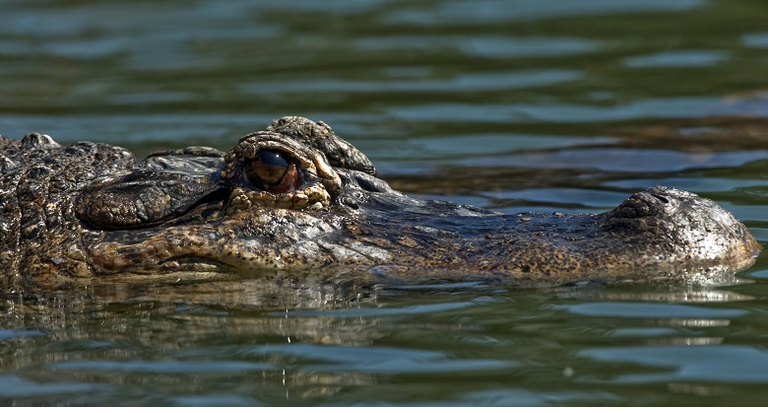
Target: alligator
[[297, 198]]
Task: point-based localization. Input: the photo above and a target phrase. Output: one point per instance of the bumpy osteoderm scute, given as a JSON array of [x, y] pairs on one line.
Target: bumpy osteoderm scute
[[39, 233], [295, 197]]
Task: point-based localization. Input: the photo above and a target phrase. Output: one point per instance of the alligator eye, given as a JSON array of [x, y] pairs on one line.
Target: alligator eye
[[273, 171]]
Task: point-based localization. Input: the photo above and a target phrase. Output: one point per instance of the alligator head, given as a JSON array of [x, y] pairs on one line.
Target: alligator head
[[297, 197]]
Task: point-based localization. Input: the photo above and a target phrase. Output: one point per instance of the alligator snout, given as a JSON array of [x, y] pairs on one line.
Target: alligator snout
[[681, 226]]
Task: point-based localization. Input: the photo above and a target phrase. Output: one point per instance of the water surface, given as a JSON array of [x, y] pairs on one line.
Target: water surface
[[511, 105]]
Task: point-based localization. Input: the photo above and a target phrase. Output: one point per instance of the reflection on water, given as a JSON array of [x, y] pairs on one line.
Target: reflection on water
[[563, 346], [513, 105]]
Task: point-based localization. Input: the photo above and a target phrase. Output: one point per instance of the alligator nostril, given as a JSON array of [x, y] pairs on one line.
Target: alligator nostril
[[636, 206], [661, 198]]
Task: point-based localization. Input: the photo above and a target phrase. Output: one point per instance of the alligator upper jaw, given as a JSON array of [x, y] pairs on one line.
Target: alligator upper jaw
[[262, 238], [410, 239]]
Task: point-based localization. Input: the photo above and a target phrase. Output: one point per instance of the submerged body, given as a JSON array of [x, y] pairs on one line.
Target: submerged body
[[297, 197]]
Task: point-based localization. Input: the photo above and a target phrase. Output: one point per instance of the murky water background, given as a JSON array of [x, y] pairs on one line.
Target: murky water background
[[516, 105]]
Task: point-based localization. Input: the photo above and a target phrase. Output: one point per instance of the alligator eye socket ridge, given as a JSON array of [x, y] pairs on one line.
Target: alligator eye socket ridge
[[268, 168]]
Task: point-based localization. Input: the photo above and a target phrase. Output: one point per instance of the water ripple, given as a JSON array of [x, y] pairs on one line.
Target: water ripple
[[708, 363], [650, 310]]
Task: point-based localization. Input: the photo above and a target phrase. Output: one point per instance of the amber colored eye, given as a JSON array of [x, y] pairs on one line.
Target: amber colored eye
[[267, 168], [273, 171]]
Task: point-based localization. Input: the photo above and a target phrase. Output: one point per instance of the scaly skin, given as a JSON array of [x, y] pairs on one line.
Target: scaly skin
[[298, 198]]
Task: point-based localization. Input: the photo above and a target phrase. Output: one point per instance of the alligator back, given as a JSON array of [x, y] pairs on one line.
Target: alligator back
[[38, 181]]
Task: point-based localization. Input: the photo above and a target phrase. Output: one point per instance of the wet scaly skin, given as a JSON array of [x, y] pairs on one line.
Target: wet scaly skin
[[298, 198]]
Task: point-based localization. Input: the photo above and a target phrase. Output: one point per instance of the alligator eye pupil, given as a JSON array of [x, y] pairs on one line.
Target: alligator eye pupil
[[267, 168]]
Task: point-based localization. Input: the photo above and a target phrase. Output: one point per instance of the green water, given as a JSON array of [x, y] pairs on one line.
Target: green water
[[512, 105]]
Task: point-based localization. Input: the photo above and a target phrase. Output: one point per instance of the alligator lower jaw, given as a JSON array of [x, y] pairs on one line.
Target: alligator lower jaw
[[188, 273], [135, 279], [177, 268]]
